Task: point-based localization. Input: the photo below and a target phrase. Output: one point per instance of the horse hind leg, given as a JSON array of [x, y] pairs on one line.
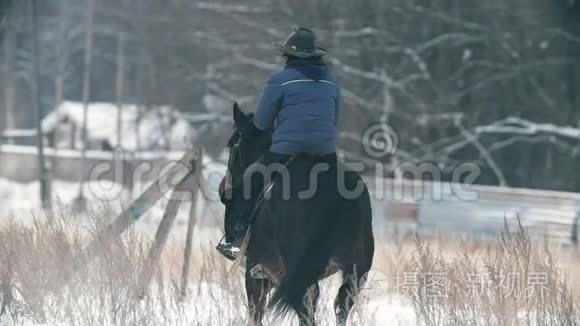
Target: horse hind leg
[[347, 293], [257, 294], [307, 312]]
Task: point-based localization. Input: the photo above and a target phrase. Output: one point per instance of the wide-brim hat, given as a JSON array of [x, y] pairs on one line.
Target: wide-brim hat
[[301, 43]]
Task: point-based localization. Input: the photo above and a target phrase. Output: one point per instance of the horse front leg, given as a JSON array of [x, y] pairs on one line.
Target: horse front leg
[[348, 292], [257, 293]]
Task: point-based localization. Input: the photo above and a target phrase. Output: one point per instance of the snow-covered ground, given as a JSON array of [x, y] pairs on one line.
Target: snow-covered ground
[[212, 305], [381, 312], [21, 201]]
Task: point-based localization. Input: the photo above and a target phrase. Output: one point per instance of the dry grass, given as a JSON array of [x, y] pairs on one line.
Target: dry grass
[[40, 285], [512, 281]]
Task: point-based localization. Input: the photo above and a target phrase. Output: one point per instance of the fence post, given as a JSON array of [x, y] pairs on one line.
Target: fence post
[[191, 225], [576, 228], [187, 186], [177, 173]]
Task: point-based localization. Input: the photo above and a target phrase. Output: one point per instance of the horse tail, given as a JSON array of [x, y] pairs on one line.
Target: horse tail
[[303, 273]]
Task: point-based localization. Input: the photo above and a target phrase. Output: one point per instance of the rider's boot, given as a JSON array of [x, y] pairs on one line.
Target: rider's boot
[[228, 250]]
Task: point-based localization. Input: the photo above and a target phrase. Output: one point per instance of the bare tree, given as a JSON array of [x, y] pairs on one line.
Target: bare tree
[[81, 201], [8, 74], [120, 84], [45, 196]]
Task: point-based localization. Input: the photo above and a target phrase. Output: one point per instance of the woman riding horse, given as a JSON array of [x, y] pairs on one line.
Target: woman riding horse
[[304, 227], [300, 105]]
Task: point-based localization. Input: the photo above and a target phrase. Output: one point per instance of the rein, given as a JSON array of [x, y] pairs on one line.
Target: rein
[[235, 151], [244, 247], [267, 188]]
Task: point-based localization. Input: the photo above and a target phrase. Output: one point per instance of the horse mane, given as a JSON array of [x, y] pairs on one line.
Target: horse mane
[[256, 133], [249, 131]]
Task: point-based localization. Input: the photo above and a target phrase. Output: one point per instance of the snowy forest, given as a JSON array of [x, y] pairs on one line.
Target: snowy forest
[[490, 82]]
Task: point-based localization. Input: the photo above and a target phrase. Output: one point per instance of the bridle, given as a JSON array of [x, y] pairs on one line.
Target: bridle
[[226, 185]]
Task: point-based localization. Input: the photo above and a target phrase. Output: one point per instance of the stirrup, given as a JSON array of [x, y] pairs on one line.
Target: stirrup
[[228, 250]]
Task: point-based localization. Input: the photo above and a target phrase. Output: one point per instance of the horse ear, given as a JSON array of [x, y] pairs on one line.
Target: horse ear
[[239, 116]]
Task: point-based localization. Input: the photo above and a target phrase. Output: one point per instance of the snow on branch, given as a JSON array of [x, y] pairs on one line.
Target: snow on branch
[[471, 138], [518, 126], [455, 38], [390, 83], [381, 78], [447, 18], [231, 8], [356, 33]]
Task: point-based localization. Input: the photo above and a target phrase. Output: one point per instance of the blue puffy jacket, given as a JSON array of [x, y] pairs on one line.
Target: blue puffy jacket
[[301, 103]]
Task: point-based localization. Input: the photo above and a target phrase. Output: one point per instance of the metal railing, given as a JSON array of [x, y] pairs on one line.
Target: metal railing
[[431, 207]]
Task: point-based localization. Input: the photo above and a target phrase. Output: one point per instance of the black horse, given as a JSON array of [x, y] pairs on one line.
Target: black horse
[[299, 240]]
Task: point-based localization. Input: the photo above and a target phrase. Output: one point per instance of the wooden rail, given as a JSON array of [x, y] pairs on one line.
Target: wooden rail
[[181, 177]]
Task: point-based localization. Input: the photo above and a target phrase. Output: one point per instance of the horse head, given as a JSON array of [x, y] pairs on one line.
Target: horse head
[[246, 145]]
